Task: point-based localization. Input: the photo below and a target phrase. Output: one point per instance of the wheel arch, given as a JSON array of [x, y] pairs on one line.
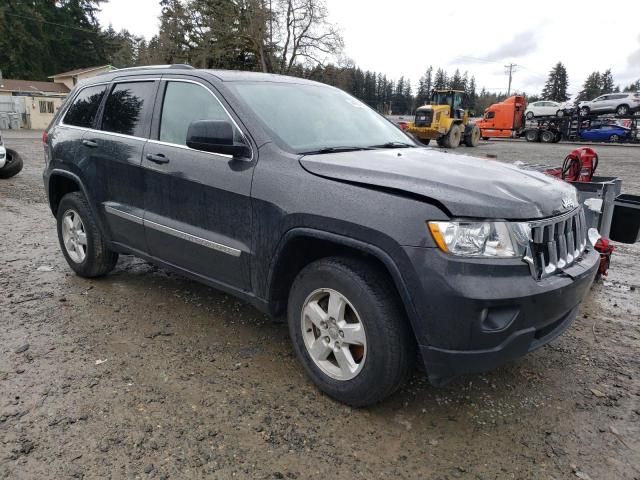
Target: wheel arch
[[60, 183], [301, 246]]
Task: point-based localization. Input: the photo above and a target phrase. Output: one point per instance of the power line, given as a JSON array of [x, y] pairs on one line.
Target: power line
[[51, 23]]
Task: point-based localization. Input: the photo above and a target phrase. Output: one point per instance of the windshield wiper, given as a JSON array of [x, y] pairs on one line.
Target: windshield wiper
[[394, 145], [333, 150]]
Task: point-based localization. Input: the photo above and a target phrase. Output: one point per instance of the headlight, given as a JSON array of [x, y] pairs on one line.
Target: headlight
[[482, 239]]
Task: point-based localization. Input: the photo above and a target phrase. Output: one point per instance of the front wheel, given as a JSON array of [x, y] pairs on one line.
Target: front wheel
[[81, 240], [560, 113], [584, 111], [529, 115], [472, 138], [452, 139], [614, 138], [349, 330]]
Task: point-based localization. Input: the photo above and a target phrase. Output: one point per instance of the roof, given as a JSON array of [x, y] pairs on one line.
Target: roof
[[221, 75], [80, 71], [32, 86]]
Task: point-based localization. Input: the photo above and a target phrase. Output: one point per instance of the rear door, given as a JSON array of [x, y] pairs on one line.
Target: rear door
[[65, 138], [113, 153], [197, 204]]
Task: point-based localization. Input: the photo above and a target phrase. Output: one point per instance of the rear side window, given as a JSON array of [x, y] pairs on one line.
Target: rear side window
[[185, 103], [126, 108], [82, 111]]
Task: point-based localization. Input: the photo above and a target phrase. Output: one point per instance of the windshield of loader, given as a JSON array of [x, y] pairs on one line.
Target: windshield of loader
[[441, 98]]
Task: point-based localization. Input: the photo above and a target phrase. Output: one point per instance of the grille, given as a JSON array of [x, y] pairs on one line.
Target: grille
[[424, 118], [557, 242]]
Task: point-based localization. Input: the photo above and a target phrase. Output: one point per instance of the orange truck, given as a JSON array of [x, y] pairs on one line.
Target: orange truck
[[504, 119]]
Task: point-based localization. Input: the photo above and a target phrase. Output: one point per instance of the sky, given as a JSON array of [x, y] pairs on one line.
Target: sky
[[404, 37]]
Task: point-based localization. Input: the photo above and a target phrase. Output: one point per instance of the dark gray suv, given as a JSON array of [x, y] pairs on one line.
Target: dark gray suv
[[300, 199]]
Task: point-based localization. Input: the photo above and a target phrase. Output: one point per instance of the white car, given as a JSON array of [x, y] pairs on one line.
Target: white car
[[10, 162], [3, 154], [619, 103], [547, 108]]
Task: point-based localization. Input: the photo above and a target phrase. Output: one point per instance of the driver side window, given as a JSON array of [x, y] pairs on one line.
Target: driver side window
[[185, 103]]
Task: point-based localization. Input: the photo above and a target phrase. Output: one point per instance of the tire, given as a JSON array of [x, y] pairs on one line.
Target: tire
[[473, 137], [614, 138], [529, 115], [584, 111], [93, 258], [378, 368], [453, 137], [558, 137], [622, 110], [560, 113], [425, 142], [547, 136], [441, 142], [532, 135], [12, 166]]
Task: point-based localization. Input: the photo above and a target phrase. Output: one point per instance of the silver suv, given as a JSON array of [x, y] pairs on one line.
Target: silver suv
[[619, 103]]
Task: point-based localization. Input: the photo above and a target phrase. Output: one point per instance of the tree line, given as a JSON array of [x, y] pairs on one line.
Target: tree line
[[39, 38]]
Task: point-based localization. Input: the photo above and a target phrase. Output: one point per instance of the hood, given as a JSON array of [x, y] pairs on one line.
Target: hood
[[465, 186]]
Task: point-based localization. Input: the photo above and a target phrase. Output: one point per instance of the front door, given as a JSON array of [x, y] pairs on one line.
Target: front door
[[197, 204]]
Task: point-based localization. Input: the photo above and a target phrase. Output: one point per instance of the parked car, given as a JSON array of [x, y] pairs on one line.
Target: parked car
[[606, 133], [372, 246], [618, 103], [10, 161], [547, 108]]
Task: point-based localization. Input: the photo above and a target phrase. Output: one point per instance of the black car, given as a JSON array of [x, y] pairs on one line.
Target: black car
[[300, 199]]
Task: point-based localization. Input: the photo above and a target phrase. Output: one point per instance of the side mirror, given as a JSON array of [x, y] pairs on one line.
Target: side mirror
[[215, 136]]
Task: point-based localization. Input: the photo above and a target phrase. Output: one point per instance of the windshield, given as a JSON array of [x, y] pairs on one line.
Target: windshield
[[307, 117], [441, 98]]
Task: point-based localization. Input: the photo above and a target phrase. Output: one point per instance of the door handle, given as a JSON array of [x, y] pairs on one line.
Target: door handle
[[89, 143], [159, 158]]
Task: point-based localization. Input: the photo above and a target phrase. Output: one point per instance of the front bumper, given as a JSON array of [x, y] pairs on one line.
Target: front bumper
[[480, 315]]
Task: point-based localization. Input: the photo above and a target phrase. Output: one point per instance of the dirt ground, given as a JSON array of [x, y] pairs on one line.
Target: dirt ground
[[145, 374]]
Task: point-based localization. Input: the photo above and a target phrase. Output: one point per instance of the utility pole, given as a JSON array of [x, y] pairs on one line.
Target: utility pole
[[510, 70]]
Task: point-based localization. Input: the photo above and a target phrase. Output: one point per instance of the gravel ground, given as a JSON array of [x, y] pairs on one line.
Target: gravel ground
[[145, 374]]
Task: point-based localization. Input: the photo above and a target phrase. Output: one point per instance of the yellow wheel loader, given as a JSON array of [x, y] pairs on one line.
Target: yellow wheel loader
[[446, 120]]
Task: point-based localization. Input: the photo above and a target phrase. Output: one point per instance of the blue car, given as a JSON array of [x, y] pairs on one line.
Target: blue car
[[605, 133]]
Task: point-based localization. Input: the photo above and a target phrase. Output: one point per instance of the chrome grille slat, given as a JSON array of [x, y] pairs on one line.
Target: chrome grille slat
[[557, 242]]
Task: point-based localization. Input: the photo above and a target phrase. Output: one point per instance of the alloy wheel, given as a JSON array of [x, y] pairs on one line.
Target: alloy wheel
[[74, 236], [333, 334]]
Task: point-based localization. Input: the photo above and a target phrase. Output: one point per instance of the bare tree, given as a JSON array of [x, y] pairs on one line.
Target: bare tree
[[304, 33]]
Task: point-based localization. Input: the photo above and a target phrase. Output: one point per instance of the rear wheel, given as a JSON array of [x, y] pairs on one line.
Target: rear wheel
[[81, 240], [560, 113], [452, 139], [622, 110], [532, 135], [12, 166], [472, 138], [349, 331], [530, 115], [547, 136]]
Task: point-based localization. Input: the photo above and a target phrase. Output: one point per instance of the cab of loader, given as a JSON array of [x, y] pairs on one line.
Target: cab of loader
[[445, 119]]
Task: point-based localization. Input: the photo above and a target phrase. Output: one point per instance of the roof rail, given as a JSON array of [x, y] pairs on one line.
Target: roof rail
[[176, 66]]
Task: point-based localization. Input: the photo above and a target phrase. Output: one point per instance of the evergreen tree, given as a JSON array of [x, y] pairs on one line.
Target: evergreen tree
[[440, 80], [634, 87], [424, 87], [606, 82], [592, 87], [556, 87], [472, 94]]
